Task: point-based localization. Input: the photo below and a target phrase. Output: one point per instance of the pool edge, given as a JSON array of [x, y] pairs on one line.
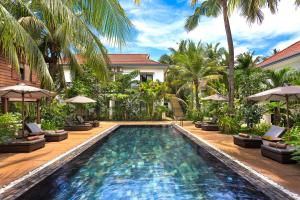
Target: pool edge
[[261, 182], [19, 186], [272, 189]]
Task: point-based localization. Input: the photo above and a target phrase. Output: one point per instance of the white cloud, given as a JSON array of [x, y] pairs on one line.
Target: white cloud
[[161, 26], [282, 45]]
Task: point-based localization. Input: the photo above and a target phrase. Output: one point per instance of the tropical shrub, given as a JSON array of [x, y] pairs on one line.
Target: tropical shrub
[[54, 115], [229, 125], [49, 125], [258, 129], [252, 113], [152, 94], [261, 128], [292, 137], [9, 125], [295, 115], [194, 115], [159, 111]]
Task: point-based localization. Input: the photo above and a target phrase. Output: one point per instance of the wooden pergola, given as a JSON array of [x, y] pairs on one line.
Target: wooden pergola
[[5, 103]]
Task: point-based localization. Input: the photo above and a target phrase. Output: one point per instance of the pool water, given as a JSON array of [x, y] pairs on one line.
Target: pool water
[[144, 163]]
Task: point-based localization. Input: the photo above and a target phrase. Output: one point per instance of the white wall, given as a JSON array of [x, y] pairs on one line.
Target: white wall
[[67, 74], [158, 73], [292, 63]]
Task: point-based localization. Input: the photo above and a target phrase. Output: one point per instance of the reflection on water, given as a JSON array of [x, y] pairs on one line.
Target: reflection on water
[[145, 163]]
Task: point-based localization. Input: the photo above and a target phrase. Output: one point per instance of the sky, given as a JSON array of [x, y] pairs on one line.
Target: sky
[[159, 25]]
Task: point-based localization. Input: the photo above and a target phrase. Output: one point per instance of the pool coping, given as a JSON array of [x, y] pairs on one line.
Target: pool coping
[[18, 187], [264, 184]]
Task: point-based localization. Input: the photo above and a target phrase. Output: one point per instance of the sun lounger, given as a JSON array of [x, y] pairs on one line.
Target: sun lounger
[[279, 154], [273, 134], [22, 145], [209, 127], [198, 124], [50, 136], [82, 121], [71, 126]]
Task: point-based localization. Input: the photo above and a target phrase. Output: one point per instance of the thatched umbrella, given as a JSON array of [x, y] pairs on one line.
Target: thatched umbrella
[[285, 93], [23, 91]]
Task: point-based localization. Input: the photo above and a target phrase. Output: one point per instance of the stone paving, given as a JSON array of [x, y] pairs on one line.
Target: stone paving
[[286, 175]]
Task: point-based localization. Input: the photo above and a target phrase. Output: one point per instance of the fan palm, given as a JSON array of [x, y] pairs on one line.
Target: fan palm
[[55, 29]]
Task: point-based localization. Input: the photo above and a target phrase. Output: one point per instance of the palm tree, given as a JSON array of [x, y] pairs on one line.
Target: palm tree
[[282, 77], [249, 78], [166, 59], [275, 51], [195, 65], [54, 29], [251, 9], [16, 41], [215, 53]]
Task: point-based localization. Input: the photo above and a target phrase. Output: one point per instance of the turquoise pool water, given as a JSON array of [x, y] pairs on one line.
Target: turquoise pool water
[[144, 163]]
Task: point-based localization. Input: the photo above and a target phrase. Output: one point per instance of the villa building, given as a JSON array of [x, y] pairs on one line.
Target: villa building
[[288, 57], [126, 63], [9, 76]]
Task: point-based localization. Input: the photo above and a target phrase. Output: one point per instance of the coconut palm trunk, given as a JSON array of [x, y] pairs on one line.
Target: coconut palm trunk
[[196, 83], [231, 57]]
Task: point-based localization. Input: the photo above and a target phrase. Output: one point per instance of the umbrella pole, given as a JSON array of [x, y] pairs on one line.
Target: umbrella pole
[[287, 114], [23, 115]]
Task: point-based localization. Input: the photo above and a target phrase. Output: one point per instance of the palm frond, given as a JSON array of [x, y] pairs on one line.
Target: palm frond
[[15, 40], [106, 16]]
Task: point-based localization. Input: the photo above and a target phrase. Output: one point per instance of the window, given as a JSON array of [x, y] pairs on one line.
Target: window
[[22, 74], [30, 76], [144, 77]]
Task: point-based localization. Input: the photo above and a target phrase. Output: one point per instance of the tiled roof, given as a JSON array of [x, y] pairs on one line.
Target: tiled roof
[[131, 59], [122, 59], [288, 52]]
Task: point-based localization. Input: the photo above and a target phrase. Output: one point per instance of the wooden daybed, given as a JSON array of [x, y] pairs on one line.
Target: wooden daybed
[[50, 136], [22, 146]]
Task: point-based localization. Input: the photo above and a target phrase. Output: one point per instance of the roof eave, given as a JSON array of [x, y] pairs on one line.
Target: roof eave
[[278, 61], [138, 65]]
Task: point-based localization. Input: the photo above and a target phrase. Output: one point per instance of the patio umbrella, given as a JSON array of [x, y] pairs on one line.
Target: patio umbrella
[[23, 91], [80, 99], [215, 97], [285, 93]]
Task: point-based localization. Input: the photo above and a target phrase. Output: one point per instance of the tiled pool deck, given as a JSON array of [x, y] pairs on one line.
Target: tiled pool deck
[[14, 166]]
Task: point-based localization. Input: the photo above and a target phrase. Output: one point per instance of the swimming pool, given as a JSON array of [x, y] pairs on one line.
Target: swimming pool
[[144, 162]]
